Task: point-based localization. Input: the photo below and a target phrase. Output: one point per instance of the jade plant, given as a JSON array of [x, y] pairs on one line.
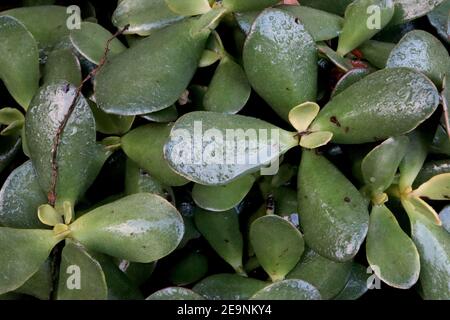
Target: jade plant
[[202, 149]]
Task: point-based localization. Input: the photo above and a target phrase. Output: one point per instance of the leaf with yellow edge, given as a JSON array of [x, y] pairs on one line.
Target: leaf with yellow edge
[[416, 206], [437, 188]]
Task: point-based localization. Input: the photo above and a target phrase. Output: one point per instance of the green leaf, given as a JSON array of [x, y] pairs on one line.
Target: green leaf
[[437, 188], [62, 65], [389, 102], [145, 145], [380, 165], [342, 63], [439, 19], [10, 115], [144, 17], [90, 41], [334, 215], [79, 158], [214, 149], [23, 253], [390, 252], [315, 139], [222, 198], [278, 245], [20, 197], [333, 6], [189, 269], [348, 79], [303, 115], [444, 215], [329, 277], [229, 89], [356, 285], [228, 287], [19, 60], [406, 10], [9, 147], [165, 62], [421, 51], [139, 273], [221, 230], [433, 244], [81, 276], [247, 5], [279, 42], [188, 7], [48, 215], [40, 284], [175, 293], [431, 169], [291, 289], [166, 115], [141, 227], [415, 206], [376, 52], [320, 24], [109, 123]]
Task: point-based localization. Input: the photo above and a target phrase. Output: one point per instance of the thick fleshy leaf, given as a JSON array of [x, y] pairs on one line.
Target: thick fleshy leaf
[[142, 227], [291, 289], [389, 102], [415, 206], [320, 24], [143, 16], [280, 60], [214, 149], [222, 198], [431, 169], [356, 285], [23, 253], [328, 276], [9, 148], [363, 19], [441, 142], [433, 244], [278, 245], [421, 51], [79, 157], [138, 273], [334, 6], [334, 215], [315, 139], [229, 89], [189, 269], [90, 41], [437, 188], [40, 284], [110, 123], [348, 79], [145, 146], [407, 10], [221, 230], [247, 5], [439, 18], [342, 63], [380, 165], [81, 276], [228, 287], [390, 251], [444, 215], [19, 60], [62, 65], [153, 74], [376, 52], [20, 197], [163, 116], [188, 7], [302, 115], [175, 293]]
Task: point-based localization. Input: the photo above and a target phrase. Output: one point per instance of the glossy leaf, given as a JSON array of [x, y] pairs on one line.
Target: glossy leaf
[[278, 245], [228, 287], [19, 60], [390, 251], [222, 198], [348, 79], [188, 7], [356, 285], [363, 19], [141, 227], [407, 10], [9, 147], [189, 269], [248, 5], [221, 230], [444, 215], [280, 43], [109, 123], [62, 65], [334, 215], [23, 253], [175, 293], [328, 276], [166, 115], [214, 149], [376, 52], [138, 273], [437, 188], [415, 206], [291, 289], [439, 18], [334, 6], [386, 103], [342, 63]]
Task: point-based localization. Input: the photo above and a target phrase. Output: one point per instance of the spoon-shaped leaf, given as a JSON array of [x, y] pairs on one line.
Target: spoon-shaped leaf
[[188, 7], [315, 139], [278, 245], [437, 188], [141, 227], [356, 285], [19, 60], [189, 269], [328, 276], [23, 253], [175, 293], [248, 5], [291, 289], [380, 165], [390, 251], [389, 102], [421, 51], [333, 213], [145, 145], [376, 52], [229, 89], [302, 115], [363, 19], [228, 287], [221, 230], [20, 197], [62, 65], [81, 276], [213, 148], [110, 123], [280, 60], [415, 206], [222, 198], [153, 74], [407, 10]]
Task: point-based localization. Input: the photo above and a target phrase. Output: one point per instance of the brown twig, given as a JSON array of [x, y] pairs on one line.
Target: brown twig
[[51, 196], [446, 115]]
